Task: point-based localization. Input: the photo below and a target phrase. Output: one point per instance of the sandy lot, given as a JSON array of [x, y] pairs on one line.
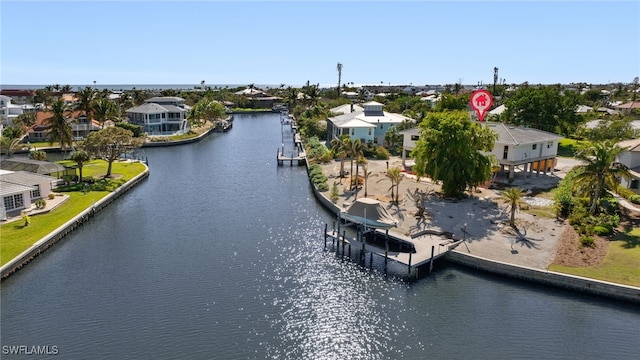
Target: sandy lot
[[482, 219]]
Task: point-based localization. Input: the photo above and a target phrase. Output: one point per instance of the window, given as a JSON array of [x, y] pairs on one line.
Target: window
[[369, 131], [35, 193], [534, 146], [505, 153], [13, 202], [415, 137], [549, 144], [353, 132], [381, 126]]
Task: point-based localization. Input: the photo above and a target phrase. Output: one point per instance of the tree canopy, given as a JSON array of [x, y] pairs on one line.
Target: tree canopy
[[449, 150], [110, 143]]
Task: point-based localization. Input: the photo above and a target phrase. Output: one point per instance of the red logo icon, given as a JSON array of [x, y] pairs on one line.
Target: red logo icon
[[481, 101]]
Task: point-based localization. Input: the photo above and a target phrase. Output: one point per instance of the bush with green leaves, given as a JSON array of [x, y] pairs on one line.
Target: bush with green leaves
[[318, 178], [635, 199], [41, 203], [317, 151], [382, 153], [587, 241]]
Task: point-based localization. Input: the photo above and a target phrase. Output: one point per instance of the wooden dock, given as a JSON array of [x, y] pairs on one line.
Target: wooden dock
[[283, 158], [418, 252], [290, 134]]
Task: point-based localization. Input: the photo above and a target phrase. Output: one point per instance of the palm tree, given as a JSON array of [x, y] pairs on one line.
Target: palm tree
[[600, 171], [80, 157], [340, 148], [59, 128], [339, 68], [103, 110], [10, 145], [366, 174], [395, 176], [513, 197], [355, 153], [85, 98]]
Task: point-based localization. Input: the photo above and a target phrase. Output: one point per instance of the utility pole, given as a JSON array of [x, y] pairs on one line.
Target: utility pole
[[495, 79]]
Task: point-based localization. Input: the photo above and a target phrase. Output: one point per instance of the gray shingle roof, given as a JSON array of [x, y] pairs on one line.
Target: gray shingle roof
[[511, 135], [8, 188]]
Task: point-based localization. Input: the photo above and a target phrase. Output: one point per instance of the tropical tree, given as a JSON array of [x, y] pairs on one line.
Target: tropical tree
[[355, 153], [84, 101], [80, 157], [340, 148], [599, 172], [110, 143], [59, 128], [449, 150], [9, 145], [26, 119], [395, 176], [513, 196], [366, 174], [103, 110]]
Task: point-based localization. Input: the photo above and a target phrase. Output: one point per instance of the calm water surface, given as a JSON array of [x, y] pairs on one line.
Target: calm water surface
[[219, 255]]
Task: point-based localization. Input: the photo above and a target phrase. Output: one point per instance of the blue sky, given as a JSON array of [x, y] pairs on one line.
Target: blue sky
[[270, 42]]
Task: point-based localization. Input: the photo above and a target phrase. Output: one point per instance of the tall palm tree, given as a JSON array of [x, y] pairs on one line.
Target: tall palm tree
[[10, 145], [340, 148], [59, 128], [103, 110], [355, 153], [513, 197], [85, 98], [395, 176], [366, 174], [339, 68], [600, 171]]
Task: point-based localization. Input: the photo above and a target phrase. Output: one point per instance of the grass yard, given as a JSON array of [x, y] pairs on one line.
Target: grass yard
[[567, 147], [15, 237], [621, 265]]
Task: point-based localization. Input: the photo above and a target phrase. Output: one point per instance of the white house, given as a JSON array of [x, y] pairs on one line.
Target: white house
[[10, 111], [536, 150], [161, 116], [368, 125], [20, 189], [631, 158]]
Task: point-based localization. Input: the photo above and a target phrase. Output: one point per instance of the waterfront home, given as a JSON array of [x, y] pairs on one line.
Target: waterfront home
[[81, 127], [258, 98], [630, 157], [531, 149], [368, 125], [19, 96], [165, 115], [20, 189], [9, 111]]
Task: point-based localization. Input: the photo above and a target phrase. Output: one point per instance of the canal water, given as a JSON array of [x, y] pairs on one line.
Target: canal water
[[219, 254]]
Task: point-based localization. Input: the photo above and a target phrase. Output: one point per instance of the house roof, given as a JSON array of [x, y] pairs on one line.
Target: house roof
[[31, 165], [372, 103], [346, 108], [25, 178], [498, 110], [9, 188], [164, 99], [355, 123], [412, 131], [629, 105], [377, 117], [631, 145], [511, 135]]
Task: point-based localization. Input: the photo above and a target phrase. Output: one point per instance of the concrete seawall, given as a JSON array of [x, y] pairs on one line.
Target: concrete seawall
[[565, 281], [58, 234], [570, 282]]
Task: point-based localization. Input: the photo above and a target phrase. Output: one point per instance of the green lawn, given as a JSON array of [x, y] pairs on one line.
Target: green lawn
[[567, 147], [15, 237], [621, 265]]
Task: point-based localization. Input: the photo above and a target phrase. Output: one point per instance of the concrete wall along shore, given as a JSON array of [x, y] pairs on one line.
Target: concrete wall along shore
[[43, 244], [565, 281]]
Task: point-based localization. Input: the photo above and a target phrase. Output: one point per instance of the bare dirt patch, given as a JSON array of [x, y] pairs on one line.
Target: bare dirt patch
[[569, 251]]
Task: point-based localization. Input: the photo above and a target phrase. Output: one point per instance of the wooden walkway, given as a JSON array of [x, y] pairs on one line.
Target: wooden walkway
[[428, 248], [298, 154]]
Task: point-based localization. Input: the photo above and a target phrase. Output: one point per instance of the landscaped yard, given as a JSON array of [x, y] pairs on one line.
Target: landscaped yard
[[15, 237], [621, 264]]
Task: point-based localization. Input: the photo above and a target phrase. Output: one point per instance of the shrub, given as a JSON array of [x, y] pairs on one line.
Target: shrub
[[601, 230], [41, 203], [635, 199], [51, 196], [625, 193], [382, 153], [334, 192], [587, 241]]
